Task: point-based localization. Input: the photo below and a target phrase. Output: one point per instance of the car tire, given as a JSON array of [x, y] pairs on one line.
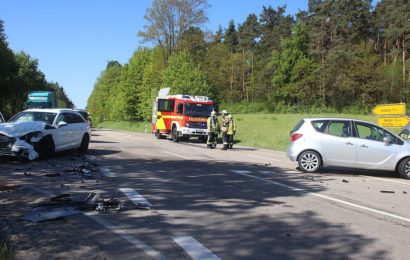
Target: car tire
[[404, 168], [309, 161], [46, 147], [84, 144], [174, 134]]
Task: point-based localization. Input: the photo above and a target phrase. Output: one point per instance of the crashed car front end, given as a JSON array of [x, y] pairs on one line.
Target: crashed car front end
[[20, 139]]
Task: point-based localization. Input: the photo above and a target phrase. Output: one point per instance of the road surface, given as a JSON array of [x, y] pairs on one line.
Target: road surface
[[210, 204]]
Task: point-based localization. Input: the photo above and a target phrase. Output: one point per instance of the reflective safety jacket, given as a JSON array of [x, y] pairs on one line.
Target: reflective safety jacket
[[231, 127], [213, 124]]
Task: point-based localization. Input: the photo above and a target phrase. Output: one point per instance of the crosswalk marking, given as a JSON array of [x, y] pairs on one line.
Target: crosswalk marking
[[194, 249], [135, 197]]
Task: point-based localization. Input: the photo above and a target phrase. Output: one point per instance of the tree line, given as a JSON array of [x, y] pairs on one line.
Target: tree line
[[337, 56], [19, 74]]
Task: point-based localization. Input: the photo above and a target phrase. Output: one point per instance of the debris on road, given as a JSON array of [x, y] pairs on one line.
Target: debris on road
[[387, 191], [345, 181], [50, 214], [404, 192], [62, 205]]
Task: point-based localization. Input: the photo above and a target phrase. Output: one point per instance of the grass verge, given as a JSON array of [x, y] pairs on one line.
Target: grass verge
[[270, 131], [6, 250]]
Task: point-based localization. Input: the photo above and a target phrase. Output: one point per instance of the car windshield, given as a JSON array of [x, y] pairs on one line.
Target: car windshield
[[192, 109], [30, 116]]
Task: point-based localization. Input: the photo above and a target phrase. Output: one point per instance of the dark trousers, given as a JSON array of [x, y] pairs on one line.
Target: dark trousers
[[230, 140], [211, 138]]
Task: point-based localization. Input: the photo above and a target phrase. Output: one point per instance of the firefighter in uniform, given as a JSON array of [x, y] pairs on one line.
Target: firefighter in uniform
[[224, 129], [231, 131], [213, 130]]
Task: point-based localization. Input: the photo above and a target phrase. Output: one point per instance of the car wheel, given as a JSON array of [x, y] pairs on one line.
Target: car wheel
[[309, 161], [45, 147], [84, 144], [175, 137], [404, 168]]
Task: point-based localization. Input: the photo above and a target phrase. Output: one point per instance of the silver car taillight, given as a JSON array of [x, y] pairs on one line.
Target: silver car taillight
[[295, 137]]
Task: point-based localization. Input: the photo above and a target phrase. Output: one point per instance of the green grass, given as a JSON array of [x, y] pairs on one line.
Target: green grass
[[270, 131], [6, 251], [127, 125]]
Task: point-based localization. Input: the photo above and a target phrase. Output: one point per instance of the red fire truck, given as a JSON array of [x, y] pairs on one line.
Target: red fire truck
[[181, 116]]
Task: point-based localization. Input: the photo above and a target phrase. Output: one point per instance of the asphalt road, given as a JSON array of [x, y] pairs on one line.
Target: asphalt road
[[213, 204]]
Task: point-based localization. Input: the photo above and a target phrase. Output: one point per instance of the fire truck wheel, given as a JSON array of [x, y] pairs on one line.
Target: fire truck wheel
[[175, 137]]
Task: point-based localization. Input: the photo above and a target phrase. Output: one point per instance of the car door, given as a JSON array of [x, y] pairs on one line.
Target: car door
[[79, 127], [61, 134], [338, 144], [372, 151]]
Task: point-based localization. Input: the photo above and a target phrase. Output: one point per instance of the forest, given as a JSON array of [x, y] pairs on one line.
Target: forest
[[19, 74], [337, 56]]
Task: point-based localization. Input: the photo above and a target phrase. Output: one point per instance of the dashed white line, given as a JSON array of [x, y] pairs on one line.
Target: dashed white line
[[177, 155], [194, 249], [241, 171], [124, 234], [135, 197], [325, 197]]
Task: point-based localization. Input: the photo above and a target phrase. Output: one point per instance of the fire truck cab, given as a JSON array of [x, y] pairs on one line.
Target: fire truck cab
[[181, 116]]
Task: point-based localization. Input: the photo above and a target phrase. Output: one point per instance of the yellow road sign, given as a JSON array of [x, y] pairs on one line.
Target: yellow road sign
[[393, 121], [389, 109]]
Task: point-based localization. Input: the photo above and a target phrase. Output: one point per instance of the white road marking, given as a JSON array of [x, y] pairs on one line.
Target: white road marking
[[241, 172], [135, 197], [387, 180], [194, 249], [328, 198], [265, 158], [107, 172], [266, 172], [124, 234], [177, 155], [291, 171]]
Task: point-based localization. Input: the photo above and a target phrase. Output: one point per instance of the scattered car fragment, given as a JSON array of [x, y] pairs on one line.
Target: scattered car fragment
[[317, 142], [37, 133]]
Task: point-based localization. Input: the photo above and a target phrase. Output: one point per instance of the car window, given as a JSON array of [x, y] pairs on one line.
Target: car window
[[320, 125], [61, 118], [298, 125], [76, 118], [375, 133], [340, 128], [30, 116]]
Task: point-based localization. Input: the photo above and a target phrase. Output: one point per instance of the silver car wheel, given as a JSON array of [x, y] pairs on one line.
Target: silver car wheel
[[407, 168], [309, 161], [404, 168]]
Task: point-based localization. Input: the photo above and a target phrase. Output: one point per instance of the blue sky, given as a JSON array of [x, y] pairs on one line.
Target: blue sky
[[74, 39]]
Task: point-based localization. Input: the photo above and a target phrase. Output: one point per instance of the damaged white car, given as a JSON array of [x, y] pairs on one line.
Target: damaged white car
[[37, 133]]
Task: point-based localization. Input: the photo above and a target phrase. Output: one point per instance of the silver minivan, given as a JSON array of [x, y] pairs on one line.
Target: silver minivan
[[317, 142]]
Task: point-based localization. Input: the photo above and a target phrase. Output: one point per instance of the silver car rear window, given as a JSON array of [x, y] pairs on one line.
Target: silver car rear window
[[320, 125], [298, 125]]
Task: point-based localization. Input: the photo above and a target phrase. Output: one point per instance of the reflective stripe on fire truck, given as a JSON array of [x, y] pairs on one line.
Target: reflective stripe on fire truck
[[160, 122]]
